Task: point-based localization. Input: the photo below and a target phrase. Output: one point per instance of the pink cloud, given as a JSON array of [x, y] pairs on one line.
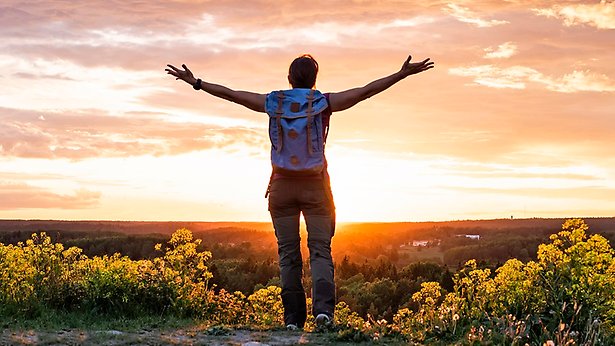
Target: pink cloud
[[464, 14], [504, 50], [87, 134], [588, 192], [23, 196], [516, 77], [600, 15]]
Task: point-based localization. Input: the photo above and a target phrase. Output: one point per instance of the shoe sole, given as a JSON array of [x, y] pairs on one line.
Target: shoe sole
[[323, 323]]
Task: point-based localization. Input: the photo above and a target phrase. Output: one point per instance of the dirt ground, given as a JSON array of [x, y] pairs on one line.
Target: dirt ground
[[178, 337]]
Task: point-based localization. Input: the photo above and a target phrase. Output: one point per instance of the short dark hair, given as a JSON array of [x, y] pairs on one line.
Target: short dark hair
[[303, 71]]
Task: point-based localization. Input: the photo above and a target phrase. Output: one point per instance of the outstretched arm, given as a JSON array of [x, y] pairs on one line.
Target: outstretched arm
[[346, 99], [254, 101]]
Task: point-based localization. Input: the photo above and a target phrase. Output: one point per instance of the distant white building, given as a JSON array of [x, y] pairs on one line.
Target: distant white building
[[421, 243], [416, 243], [470, 236]]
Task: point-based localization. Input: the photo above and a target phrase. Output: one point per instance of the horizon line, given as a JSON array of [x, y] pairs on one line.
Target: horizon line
[[339, 222]]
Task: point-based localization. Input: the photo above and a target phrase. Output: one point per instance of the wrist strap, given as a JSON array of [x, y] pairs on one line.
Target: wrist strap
[[197, 84]]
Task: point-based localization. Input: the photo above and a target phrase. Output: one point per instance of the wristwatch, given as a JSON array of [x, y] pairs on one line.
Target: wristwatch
[[197, 84]]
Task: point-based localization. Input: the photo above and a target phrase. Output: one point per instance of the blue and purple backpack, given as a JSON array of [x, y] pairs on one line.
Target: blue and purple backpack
[[296, 131]]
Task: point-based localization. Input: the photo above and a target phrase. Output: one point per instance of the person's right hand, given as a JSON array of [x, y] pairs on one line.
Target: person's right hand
[[185, 75]]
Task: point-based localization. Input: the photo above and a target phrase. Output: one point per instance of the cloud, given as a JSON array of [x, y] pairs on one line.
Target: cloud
[[24, 196], [517, 77], [91, 133], [587, 192], [578, 81], [163, 20], [505, 50], [26, 75], [464, 14], [208, 33], [492, 174], [4, 176], [600, 15], [513, 77]]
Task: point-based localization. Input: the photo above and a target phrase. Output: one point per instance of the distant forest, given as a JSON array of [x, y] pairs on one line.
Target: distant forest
[[378, 265]]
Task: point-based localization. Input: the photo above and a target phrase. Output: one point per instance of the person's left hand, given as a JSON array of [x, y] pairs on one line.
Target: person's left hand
[[413, 68], [185, 75]]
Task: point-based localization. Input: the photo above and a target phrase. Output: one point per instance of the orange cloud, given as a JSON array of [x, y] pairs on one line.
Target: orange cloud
[[24, 196], [464, 14], [505, 50], [516, 77], [589, 192], [87, 134], [578, 81], [513, 77], [600, 15]]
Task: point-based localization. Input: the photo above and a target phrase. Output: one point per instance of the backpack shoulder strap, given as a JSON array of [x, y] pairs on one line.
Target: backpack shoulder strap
[[279, 112], [310, 116], [329, 118]]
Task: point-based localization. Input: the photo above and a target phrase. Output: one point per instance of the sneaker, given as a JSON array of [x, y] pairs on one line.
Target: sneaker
[[292, 327], [323, 321]]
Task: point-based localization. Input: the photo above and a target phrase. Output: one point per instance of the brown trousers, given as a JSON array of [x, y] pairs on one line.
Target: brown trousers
[[288, 198]]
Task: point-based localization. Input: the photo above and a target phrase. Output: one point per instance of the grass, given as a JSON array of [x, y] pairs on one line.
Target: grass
[[79, 328], [83, 328], [50, 320]]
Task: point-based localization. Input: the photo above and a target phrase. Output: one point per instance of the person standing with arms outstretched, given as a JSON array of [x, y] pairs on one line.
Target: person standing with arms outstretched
[[298, 127]]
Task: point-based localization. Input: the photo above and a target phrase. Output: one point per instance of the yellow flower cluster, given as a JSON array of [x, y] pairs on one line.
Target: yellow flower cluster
[[565, 295], [41, 274]]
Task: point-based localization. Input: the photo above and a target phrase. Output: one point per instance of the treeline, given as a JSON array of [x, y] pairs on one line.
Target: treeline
[[493, 251], [499, 240], [128, 227], [494, 246], [360, 242], [379, 289], [99, 243], [375, 287], [224, 242]]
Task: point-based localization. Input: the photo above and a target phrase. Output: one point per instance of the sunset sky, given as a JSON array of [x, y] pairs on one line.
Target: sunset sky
[[516, 119]]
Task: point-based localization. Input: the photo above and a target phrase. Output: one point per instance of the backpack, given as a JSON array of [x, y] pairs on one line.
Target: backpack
[[296, 131]]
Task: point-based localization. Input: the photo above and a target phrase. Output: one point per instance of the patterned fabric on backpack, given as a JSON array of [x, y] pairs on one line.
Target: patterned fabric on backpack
[[296, 131]]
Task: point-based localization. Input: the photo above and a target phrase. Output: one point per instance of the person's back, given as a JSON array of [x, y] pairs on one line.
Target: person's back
[[298, 125]]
